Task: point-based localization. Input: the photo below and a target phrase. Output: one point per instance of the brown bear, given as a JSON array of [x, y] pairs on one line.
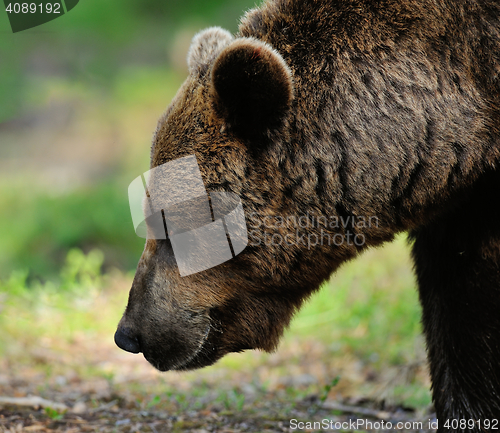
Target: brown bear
[[381, 114]]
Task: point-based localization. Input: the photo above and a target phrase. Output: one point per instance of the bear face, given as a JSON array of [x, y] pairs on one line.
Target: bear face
[[380, 119], [188, 322]]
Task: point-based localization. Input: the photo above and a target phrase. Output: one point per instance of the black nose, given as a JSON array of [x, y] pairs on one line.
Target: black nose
[[124, 341]]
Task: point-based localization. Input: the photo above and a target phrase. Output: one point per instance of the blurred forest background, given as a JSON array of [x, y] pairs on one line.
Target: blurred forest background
[[79, 100]]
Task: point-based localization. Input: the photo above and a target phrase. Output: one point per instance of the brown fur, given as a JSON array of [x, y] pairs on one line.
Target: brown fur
[[353, 108]]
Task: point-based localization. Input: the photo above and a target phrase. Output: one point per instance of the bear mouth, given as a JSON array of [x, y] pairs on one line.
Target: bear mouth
[[203, 355]]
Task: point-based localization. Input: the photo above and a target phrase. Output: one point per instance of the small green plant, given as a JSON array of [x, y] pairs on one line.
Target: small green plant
[[327, 388], [238, 399], [232, 400], [82, 270], [155, 401], [54, 414], [182, 402], [323, 395]]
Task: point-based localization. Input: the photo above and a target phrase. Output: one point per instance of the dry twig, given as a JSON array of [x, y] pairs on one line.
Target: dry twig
[[33, 401]]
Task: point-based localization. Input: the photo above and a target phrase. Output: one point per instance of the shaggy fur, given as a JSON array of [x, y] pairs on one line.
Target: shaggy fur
[[346, 109]]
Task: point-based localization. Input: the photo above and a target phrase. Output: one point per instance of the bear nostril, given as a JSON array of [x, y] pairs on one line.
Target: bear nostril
[[124, 341]]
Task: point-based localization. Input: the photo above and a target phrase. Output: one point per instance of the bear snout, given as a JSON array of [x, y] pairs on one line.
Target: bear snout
[[125, 341]]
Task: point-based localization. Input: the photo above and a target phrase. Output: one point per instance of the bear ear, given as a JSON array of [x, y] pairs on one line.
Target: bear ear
[[252, 85], [205, 47]]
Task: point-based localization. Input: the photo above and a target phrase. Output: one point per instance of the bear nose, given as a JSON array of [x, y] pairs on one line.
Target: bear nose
[[124, 341]]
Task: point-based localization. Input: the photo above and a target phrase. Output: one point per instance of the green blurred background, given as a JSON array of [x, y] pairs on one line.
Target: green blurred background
[[80, 97]]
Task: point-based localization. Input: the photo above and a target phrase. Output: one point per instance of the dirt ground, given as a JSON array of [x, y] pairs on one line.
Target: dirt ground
[[91, 386]]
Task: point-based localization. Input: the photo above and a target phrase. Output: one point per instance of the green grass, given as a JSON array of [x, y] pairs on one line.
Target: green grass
[[53, 315]]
